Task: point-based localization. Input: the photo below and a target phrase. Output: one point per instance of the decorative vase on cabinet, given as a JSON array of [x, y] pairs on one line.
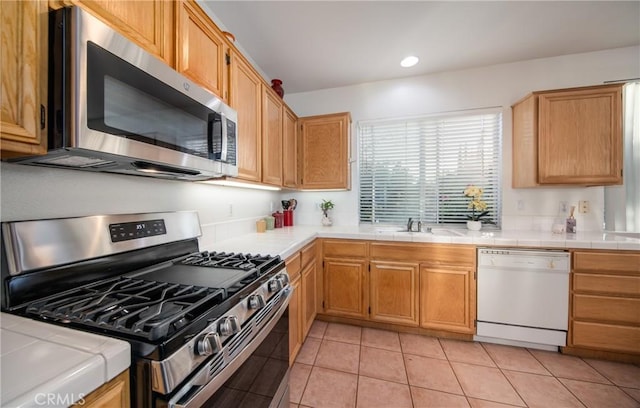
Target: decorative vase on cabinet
[[276, 85], [474, 225]]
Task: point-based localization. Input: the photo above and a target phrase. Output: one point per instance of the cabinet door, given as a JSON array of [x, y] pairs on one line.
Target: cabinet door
[[309, 277], [580, 136], [447, 299], [201, 49], [290, 148], [246, 99], [24, 77], [394, 292], [271, 137], [295, 320], [324, 151], [115, 393], [345, 287], [147, 23]]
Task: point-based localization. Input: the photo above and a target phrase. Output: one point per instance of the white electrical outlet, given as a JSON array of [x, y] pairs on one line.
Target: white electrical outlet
[[520, 205], [563, 207], [583, 206], [230, 210]]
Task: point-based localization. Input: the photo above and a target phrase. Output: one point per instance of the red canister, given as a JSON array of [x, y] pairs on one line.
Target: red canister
[[288, 218], [279, 219]]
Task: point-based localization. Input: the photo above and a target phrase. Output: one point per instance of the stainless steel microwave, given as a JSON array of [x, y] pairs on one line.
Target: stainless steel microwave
[[115, 108]]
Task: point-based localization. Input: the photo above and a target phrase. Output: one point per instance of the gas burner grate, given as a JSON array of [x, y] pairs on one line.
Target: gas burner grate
[[232, 260], [147, 309]]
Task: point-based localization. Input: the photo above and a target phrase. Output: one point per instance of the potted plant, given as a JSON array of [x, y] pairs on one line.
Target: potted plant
[[476, 204], [325, 206]]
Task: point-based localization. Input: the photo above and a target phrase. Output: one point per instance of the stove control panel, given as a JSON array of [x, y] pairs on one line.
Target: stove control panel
[[126, 231]]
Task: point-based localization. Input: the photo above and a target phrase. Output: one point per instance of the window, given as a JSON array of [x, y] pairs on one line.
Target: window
[[622, 203], [419, 167]]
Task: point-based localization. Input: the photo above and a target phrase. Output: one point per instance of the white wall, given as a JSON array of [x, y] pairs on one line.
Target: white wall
[[29, 192], [34, 192], [499, 85]]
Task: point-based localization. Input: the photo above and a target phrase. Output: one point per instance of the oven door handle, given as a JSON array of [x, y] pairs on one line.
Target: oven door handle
[[209, 388]]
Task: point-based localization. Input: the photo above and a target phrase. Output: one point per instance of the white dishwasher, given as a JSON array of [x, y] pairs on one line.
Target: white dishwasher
[[523, 297]]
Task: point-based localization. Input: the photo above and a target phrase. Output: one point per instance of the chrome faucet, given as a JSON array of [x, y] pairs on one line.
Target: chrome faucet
[[410, 224]]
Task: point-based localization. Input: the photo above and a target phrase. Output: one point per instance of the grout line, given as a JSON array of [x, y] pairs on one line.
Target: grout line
[[504, 375], [467, 397]]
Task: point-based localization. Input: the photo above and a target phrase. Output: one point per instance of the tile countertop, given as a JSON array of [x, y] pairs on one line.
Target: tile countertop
[[47, 365], [286, 241]]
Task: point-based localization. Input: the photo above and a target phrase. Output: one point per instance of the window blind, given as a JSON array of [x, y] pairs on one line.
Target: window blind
[[419, 167]]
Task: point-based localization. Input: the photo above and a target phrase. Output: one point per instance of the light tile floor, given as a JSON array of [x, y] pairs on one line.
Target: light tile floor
[[348, 366]]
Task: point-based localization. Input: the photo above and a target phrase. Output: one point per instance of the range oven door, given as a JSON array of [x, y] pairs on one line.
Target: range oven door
[[257, 377]]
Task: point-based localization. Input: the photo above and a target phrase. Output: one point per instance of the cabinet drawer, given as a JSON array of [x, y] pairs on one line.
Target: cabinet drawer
[[345, 249], [293, 266], [612, 284], [612, 309], [602, 262], [308, 254], [434, 254], [606, 337]]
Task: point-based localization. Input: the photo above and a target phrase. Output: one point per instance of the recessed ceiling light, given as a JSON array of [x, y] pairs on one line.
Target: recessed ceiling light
[[409, 61]]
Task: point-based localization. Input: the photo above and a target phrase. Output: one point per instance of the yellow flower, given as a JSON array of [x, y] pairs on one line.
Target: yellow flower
[[476, 203]]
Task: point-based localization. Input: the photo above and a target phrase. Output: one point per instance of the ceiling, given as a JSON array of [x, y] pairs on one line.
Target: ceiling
[[313, 45]]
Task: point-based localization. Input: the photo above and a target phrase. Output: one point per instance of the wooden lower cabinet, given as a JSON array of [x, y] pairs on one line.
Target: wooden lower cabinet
[[295, 320], [303, 273], [346, 287], [447, 299], [431, 286], [309, 288], [115, 393], [394, 292], [605, 302]]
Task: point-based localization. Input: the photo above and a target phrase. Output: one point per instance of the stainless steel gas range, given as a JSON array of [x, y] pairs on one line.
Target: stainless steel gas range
[[205, 328]]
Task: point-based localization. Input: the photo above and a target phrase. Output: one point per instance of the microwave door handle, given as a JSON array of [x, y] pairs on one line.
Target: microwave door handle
[[223, 123]]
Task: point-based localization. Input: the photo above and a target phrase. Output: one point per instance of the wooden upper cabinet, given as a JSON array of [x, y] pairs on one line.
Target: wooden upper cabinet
[[271, 137], [149, 23], [289, 148], [246, 99], [201, 49], [571, 136], [323, 152], [24, 77]]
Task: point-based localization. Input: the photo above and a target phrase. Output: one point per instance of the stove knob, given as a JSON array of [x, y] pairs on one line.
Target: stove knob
[[228, 326], [283, 278], [275, 285], [256, 302], [208, 344]]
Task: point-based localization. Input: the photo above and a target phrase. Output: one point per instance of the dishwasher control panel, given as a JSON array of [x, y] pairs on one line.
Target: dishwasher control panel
[[517, 258]]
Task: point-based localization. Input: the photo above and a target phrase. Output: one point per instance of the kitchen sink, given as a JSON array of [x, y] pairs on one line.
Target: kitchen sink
[[446, 232]]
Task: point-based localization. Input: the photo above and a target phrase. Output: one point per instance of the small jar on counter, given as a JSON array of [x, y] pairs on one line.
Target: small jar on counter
[[279, 219], [261, 226], [270, 222]]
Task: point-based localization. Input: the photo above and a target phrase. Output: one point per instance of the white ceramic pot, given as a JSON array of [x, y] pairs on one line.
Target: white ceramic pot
[[326, 221], [474, 225]]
